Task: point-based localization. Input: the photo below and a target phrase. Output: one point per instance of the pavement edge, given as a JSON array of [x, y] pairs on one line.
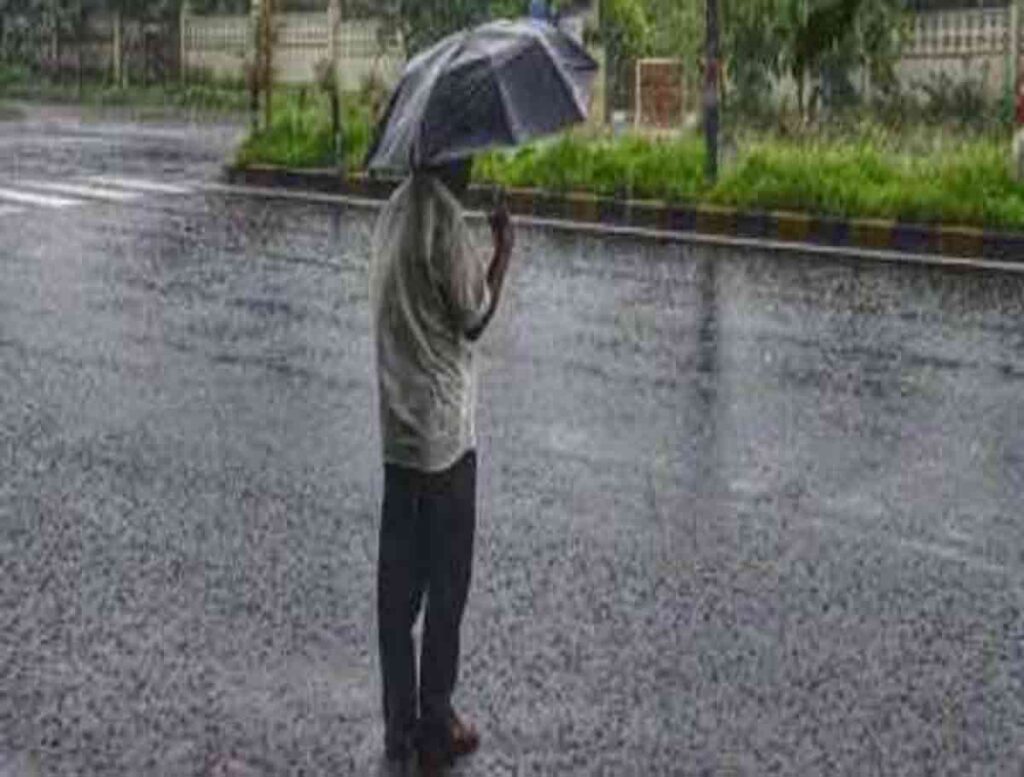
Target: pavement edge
[[706, 219]]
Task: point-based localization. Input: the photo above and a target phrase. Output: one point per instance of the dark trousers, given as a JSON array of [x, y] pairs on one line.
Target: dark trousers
[[426, 553]]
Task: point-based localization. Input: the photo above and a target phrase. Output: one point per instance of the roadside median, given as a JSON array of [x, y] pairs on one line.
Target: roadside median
[[697, 220]]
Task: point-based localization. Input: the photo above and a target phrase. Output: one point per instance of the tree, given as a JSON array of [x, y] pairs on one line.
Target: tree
[[626, 35], [822, 39], [132, 15], [420, 23]]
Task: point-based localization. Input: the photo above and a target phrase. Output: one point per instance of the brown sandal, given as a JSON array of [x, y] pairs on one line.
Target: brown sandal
[[465, 738]]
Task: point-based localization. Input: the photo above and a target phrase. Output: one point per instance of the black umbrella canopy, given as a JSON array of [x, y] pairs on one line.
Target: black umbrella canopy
[[501, 84]]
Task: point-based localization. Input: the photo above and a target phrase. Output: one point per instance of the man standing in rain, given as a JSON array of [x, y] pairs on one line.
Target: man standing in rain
[[432, 294]]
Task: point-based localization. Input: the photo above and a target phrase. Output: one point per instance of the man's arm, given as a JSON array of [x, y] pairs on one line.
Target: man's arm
[[504, 242]]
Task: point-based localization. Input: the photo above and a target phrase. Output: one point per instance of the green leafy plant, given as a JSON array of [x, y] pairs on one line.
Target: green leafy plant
[[304, 138]]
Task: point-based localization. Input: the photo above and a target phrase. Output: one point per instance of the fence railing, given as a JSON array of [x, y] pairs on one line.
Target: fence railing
[[966, 33]]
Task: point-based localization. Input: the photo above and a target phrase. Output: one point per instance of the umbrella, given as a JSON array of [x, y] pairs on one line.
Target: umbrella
[[501, 84]]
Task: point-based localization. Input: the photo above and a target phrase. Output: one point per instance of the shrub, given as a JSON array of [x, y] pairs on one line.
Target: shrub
[[304, 138], [629, 167], [966, 184], [11, 75]]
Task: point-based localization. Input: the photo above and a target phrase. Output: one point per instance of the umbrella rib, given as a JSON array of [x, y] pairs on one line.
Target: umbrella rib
[[417, 146], [566, 80]]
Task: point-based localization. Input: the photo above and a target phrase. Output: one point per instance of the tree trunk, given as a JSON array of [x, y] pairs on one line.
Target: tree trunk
[[711, 106], [183, 42], [55, 40], [334, 30], [79, 63], [117, 52], [254, 66], [799, 76], [268, 62]]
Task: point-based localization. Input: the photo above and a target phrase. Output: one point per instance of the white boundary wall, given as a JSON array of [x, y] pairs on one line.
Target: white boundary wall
[[222, 44], [965, 44]]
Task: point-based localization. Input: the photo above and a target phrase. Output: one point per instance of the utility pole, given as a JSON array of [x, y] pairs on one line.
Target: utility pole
[[712, 68], [1015, 81], [333, 80]]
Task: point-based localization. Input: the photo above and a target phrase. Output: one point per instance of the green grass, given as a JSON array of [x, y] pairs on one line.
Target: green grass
[[302, 137], [631, 167], [922, 174], [969, 184]]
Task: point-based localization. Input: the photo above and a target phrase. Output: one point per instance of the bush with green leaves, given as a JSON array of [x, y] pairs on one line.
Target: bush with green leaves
[[303, 138], [13, 75], [965, 183], [632, 166], [861, 170]]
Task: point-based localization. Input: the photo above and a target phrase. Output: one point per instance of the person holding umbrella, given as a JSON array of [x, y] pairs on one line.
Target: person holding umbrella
[[432, 295]]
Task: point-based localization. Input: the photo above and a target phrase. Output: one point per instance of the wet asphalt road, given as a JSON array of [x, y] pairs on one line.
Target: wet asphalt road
[[739, 514]]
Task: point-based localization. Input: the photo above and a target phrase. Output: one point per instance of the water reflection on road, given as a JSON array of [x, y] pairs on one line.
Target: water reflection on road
[[740, 513]]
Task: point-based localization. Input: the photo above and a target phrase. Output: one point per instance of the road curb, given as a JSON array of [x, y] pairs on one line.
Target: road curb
[[782, 226]]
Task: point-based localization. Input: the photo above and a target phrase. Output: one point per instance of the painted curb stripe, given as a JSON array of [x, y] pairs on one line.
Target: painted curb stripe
[[914, 237], [682, 218], [583, 207], [716, 220], [645, 214], [1004, 246], [792, 227], [612, 212], [755, 224], [960, 241], [829, 231], [519, 201], [786, 227], [874, 234], [680, 237]]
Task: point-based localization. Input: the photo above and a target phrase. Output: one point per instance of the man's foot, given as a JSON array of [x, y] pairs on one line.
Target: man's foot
[[433, 763], [397, 767], [465, 739]]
